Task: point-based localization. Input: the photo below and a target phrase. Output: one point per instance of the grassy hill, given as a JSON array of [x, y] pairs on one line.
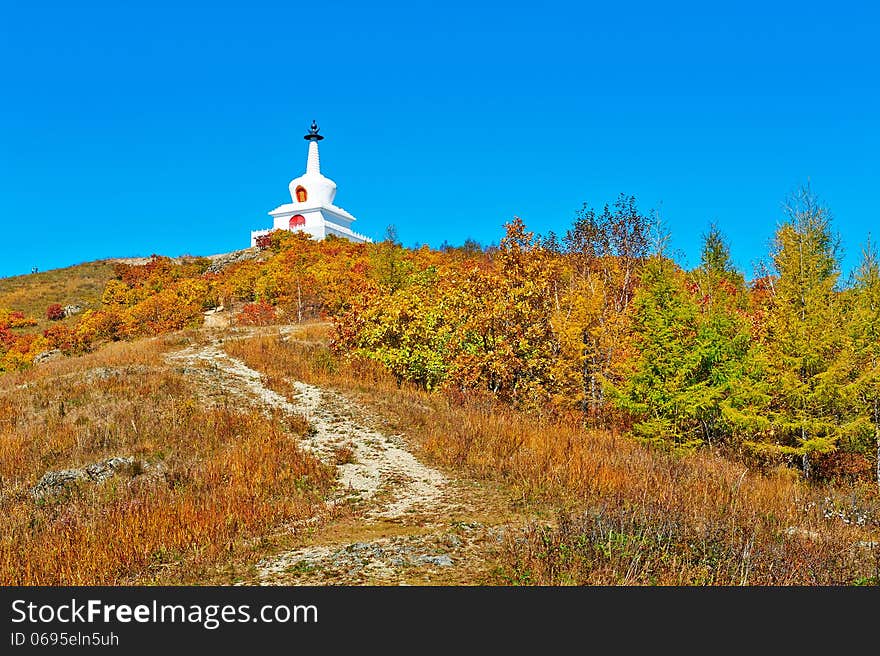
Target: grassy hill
[[190, 484], [32, 293], [475, 360], [132, 464]]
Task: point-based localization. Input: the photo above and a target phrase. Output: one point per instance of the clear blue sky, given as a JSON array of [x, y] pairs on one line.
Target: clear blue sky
[[172, 127]]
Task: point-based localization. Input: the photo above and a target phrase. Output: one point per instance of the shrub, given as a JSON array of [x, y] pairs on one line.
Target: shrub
[[60, 337], [256, 314], [55, 312]]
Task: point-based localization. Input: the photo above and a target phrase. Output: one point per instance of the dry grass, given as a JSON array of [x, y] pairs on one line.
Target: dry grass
[[628, 514], [82, 285], [210, 479]]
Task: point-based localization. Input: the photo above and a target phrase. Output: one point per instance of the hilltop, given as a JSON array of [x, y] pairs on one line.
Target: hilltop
[[82, 285]]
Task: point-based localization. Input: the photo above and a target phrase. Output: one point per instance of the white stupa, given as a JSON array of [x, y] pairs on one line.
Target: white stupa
[[312, 210]]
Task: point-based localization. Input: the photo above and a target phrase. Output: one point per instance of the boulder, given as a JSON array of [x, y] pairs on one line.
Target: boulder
[[60, 480], [45, 356], [220, 262]]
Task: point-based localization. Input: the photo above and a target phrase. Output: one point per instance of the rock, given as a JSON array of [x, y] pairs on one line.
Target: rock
[[220, 262], [54, 482], [453, 541], [441, 561], [72, 309], [215, 320], [217, 317], [45, 356], [802, 532], [103, 470], [102, 373]]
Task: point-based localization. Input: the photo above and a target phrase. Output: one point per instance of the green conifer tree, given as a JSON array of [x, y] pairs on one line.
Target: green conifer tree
[[804, 336], [660, 392], [862, 361]]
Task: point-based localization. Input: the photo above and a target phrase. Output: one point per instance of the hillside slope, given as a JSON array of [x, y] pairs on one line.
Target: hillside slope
[[169, 461], [250, 455], [391, 518], [81, 285]]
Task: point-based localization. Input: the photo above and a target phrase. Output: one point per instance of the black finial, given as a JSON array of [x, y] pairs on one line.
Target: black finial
[[313, 133]]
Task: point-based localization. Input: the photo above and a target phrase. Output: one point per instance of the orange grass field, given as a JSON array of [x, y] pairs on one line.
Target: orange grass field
[[208, 478], [211, 480], [627, 513]]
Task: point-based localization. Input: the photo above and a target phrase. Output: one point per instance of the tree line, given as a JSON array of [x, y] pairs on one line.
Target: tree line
[[604, 325], [599, 325]]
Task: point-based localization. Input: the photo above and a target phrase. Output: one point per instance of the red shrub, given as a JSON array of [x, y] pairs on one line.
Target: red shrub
[[256, 314], [55, 312], [7, 337], [843, 466]]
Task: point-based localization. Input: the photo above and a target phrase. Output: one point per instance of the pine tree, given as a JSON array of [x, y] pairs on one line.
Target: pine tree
[[863, 357], [715, 256], [724, 342], [662, 391], [804, 336], [693, 341]]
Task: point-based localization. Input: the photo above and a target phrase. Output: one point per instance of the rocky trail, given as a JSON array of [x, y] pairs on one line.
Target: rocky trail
[[392, 519]]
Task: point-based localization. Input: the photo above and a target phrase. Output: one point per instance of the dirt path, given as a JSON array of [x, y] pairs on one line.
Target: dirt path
[[406, 522]]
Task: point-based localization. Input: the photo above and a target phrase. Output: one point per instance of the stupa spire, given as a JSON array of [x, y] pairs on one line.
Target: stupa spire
[[313, 163]]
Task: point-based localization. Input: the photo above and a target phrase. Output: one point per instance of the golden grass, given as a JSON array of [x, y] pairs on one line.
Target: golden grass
[[211, 479], [628, 514], [32, 293]]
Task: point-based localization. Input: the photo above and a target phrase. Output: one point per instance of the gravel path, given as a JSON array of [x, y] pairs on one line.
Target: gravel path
[[378, 476]]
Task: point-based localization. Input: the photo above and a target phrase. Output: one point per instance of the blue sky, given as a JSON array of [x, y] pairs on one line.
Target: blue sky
[[135, 128]]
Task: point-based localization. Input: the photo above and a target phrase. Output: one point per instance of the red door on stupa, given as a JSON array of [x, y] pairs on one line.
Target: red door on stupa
[[297, 220]]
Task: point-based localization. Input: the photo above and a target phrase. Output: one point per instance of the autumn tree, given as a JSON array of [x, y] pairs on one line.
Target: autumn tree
[[505, 341], [862, 359], [407, 331], [605, 253], [804, 335], [260, 313]]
